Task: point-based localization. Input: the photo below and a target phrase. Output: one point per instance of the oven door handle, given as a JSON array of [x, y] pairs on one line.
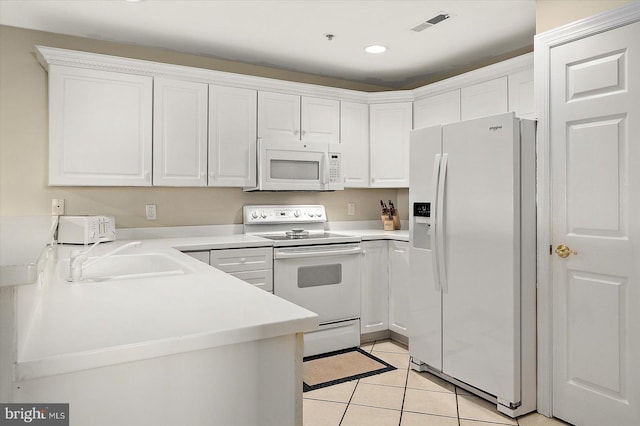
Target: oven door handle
[[297, 254]]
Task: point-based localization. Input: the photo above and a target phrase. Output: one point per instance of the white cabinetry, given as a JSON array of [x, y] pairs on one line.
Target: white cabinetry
[[483, 99], [398, 286], [232, 136], [439, 109], [390, 125], [293, 118], [521, 94], [99, 127], [253, 265], [320, 120], [354, 138], [374, 312], [179, 133]]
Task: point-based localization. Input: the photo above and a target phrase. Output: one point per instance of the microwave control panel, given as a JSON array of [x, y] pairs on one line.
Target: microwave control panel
[[335, 171]]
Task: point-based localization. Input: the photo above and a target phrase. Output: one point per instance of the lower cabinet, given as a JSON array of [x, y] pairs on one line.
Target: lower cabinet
[[253, 265], [384, 297], [374, 298], [398, 286]]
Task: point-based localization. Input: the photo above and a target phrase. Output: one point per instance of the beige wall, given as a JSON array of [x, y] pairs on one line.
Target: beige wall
[[555, 13], [24, 152]]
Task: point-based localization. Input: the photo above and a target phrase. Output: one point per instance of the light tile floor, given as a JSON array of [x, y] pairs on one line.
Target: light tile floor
[[404, 397]]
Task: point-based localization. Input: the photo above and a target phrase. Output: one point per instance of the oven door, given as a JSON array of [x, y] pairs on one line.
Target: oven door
[[323, 278]]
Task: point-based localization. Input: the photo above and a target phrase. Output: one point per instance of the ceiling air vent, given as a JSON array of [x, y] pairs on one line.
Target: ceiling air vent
[[430, 22]]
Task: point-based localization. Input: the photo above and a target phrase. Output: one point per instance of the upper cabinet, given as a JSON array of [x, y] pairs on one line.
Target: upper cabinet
[[232, 136], [483, 99], [298, 118], [169, 125], [521, 94], [438, 109], [179, 133], [354, 138], [100, 127], [390, 125]]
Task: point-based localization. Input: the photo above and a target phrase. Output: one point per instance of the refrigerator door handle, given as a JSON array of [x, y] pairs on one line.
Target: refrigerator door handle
[[434, 221], [440, 237]]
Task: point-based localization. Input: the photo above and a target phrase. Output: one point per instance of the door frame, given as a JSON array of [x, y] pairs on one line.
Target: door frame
[[543, 43]]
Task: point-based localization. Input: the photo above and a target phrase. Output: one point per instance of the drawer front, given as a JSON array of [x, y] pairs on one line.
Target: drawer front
[[262, 279], [240, 260]]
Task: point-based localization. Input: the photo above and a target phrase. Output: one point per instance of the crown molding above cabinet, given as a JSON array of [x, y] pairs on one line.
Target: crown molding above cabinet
[[56, 56]]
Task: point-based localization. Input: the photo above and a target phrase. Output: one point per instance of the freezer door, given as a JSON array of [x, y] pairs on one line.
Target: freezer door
[[480, 225], [425, 300]]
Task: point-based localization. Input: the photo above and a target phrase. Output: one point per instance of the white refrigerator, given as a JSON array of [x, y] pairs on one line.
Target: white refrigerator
[[472, 257]]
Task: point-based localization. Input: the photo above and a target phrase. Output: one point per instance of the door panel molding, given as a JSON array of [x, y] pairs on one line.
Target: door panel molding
[[543, 43]]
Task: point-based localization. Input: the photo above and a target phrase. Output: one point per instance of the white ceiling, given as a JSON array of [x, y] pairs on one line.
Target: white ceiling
[[291, 34]]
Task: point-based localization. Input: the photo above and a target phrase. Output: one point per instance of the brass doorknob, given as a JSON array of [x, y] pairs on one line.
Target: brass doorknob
[[564, 251]]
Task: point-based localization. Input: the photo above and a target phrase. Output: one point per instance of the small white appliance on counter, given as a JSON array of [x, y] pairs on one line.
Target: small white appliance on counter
[[317, 270], [472, 263], [86, 229], [298, 166]]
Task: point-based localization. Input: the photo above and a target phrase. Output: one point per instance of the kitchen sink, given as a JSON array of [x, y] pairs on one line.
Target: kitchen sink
[[128, 267]]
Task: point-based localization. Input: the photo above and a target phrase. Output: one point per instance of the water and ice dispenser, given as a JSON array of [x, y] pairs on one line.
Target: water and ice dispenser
[[422, 225]]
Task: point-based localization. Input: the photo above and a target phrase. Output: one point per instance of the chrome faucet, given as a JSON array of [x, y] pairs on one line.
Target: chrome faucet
[[79, 259]]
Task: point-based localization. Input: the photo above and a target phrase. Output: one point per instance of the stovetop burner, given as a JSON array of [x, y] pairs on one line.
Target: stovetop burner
[[297, 233]]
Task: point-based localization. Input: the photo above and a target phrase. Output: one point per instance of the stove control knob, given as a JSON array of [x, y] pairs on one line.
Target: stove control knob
[[254, 215], [310, 214], [296, 213], [263, 215]]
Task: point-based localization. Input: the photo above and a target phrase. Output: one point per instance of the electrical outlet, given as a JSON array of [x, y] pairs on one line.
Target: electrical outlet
[[150, 210], [351, 209], [57, 206]]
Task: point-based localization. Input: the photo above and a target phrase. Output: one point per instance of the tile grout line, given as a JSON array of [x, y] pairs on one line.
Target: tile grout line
[[404, 395], [349, 402], [455, 389]]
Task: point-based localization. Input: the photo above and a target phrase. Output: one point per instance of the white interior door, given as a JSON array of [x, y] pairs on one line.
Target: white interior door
[[595, 168]]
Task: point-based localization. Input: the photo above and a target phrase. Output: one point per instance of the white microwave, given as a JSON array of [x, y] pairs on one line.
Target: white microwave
[[298, 166]]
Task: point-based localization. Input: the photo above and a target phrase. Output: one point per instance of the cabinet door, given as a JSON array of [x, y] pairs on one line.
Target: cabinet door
[[240, 260], [262, 278], [179, 133], [232, 136], [320, 120], [521, 94], [374, 311], [439, 109], [483, 99], [354, 130], [390, 125], [398, 286], [99, 127], [278, 116]]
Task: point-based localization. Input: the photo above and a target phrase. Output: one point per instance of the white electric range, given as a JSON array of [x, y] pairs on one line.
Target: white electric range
[[312, 268]]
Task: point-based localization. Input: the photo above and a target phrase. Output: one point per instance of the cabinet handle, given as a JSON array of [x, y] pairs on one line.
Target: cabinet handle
[[243, 259], [364, 252], [304, 132], [147, 175], [398, 250], [295, 132]]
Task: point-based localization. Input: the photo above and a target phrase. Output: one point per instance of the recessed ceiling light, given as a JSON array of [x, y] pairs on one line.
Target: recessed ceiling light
[[375, 48]]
